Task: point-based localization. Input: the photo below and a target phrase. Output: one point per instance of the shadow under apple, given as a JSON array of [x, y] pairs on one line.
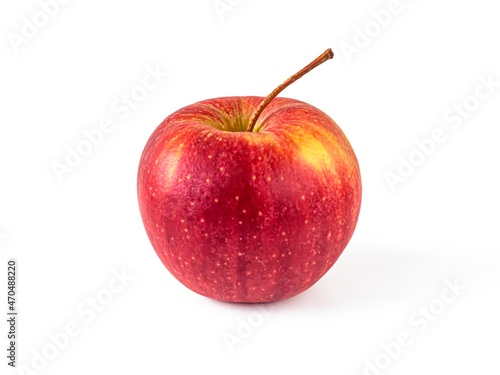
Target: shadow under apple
[[367, 277]]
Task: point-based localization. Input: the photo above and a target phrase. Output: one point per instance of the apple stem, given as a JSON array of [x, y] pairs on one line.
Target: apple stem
[[327, 55]]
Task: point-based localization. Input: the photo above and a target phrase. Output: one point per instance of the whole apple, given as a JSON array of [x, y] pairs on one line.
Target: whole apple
[[249, 216]]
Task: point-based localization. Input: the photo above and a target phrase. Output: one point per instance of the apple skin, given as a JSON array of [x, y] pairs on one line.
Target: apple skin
[[249, 216]]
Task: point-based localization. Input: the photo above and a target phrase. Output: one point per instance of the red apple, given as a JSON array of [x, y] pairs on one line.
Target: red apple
[[249, 199]]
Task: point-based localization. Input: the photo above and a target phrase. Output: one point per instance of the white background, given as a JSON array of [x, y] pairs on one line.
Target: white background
[[439, 226]]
